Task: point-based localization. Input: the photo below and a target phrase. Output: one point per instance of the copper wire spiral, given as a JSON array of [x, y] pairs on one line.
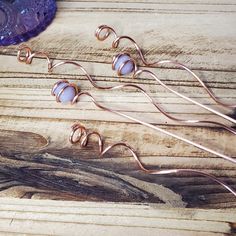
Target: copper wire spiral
[[29, 55], [103, 32], [83, 136]]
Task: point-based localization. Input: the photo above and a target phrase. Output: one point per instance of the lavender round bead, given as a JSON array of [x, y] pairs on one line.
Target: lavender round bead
[[127, 68], [67, 95]]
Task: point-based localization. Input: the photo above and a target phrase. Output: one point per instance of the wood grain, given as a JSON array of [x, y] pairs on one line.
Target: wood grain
[[69, 218], [37, 160]]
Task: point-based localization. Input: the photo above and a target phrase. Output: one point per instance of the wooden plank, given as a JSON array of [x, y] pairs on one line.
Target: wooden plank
[[165, 36], [26, 161], [60, 218], [38, 162], [43, 83]]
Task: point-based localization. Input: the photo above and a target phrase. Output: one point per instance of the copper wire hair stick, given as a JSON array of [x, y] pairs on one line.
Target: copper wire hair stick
[[27, 58], [228, 158], [83, 136], [104, 31], [29, 55]]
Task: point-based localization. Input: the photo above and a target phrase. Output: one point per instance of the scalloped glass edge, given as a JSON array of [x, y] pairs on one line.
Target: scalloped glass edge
[[33, 33]]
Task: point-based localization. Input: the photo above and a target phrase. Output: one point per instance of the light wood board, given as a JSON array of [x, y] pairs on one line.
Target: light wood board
[[37, 217], [38, 162]]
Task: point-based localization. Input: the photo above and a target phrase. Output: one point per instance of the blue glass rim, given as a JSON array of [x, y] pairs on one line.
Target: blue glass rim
[[24, 19]]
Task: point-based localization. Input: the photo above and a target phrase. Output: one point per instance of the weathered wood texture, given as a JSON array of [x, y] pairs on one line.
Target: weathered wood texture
[[37, 160], [70, 218]]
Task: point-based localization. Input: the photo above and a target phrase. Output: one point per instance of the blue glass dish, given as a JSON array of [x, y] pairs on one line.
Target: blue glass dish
[[22, 19]]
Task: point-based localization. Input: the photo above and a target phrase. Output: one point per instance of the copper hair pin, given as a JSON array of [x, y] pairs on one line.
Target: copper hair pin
[[76, 98], [64, 92], [83, 136], [63, 88], [124, 64]]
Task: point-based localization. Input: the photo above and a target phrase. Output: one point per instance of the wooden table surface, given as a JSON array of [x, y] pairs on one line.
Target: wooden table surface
[[38, 162]]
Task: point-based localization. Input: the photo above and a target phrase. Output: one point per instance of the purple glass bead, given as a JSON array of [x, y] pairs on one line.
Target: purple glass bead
[[23, 19], [123, 59], [67, 95]]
